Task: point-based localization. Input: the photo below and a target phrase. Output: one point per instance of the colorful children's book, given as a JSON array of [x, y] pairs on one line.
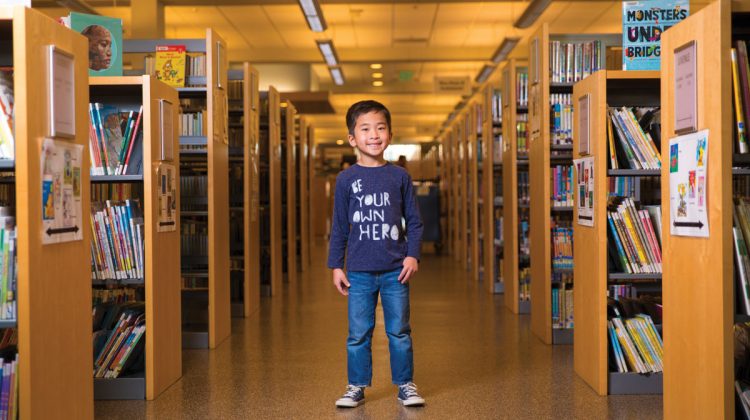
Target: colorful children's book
[[170, 64], [105, 42]]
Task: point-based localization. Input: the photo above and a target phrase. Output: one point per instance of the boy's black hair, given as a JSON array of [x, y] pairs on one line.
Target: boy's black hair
[[365, 107]]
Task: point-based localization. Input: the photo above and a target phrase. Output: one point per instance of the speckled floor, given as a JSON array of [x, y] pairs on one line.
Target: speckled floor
[[473, 358]]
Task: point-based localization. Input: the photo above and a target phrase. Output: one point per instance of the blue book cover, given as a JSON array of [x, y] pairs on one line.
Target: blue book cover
[[105, 42], [643, 22]]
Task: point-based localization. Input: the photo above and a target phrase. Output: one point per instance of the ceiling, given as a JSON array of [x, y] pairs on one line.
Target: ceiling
[[415, 41]]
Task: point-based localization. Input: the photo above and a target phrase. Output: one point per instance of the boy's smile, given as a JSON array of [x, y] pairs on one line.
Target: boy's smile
[[371, 137]]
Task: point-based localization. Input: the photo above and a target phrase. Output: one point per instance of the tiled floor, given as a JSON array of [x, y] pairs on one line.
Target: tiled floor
[[474, 359]]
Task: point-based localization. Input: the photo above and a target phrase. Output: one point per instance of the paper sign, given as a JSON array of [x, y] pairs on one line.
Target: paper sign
[[61, 192], [688, 185], [166, 178], [584, 168], [685, 89], [61, 85]]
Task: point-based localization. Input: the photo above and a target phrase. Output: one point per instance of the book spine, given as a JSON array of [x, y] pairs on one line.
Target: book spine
[[629, 154], [642, 236], [627, 242], [632, 231], [744, 73], [742, 147]]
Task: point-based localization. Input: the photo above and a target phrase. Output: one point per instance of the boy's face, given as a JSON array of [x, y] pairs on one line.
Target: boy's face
[[371, 134]]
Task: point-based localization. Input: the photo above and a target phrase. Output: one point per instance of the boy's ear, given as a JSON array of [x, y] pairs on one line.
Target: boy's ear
[[352, 141]]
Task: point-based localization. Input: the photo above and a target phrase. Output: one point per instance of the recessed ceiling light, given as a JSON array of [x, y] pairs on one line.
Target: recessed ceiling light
[[377, 75], [377, 83], [328, 52], [340, 142], [376, 66], [336, 75]]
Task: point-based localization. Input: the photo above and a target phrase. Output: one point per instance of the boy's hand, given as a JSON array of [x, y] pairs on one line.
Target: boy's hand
[[411, 266], [340, 281]]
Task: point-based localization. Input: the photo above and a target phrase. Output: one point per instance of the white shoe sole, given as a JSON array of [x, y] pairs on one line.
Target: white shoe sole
[[412, 402], [349, 403]]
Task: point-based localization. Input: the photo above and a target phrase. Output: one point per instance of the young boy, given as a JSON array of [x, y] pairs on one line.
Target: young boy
[[372, 198]]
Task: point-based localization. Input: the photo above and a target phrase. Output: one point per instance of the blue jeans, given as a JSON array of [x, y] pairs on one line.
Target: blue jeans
[[363, 298]]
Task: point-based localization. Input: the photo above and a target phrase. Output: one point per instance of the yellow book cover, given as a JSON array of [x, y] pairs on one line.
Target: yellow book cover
[[640, 345], [170, 64]]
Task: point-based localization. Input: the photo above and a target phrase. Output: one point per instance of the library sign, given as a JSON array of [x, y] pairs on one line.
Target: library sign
[[643, 22]]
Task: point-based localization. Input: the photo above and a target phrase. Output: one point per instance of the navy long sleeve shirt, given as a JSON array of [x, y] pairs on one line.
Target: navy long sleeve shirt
[[369, 206]]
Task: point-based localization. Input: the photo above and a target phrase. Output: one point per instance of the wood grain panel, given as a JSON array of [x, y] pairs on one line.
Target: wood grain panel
[[473, 178], [274, 133], [219, 306], [510, 188], [251, 173], [488, 193], [539, 190], [590, 258], [291, 192], [697, 279], [54, 281], [304, 198]]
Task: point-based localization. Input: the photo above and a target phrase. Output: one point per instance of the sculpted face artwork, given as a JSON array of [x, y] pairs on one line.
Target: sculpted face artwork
[[100, 47]]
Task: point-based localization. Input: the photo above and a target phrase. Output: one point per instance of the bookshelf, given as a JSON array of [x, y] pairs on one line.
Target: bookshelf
[[244, 167], [473, 123], [492, 193], [515, 206], [289, 188], [204, 178], [271, 240], [447, 182], [460, 190], [303, 194], [311, 177], [701, 313], [51, 384], [548, 150], [593, 272], [161, 282]]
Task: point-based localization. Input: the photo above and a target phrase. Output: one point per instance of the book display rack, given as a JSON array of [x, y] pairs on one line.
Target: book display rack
[[618, 259], [554, 58], [204, 201], [47, 384], [515, 208]]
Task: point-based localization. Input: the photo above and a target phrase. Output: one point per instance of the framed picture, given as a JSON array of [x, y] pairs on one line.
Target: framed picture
[[584, 124], [685, 89], [61, 85], [167, 130]]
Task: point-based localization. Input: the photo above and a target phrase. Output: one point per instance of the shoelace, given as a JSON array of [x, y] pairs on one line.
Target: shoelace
[[351, 391], [410, 390]]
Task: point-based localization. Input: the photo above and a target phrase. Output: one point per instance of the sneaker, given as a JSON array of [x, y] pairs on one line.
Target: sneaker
[[353, 397], [408, 395]]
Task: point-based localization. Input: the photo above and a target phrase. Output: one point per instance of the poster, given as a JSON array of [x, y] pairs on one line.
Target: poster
[[688, 184], [61, 192], [166, 176], [643, 22], [585, 190]]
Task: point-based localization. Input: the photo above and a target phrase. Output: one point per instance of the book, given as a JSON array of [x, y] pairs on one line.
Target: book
[[117, 242], [7, 114], [636, 241], [8, 266], [739, 114], [115, 140], [170, 64], [122, 330], [105, 42]]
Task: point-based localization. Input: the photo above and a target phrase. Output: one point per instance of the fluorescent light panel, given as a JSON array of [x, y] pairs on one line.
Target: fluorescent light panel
[[485, 73], [504, 49], [337, 75], [329, 54], [532, 13], [313, 15]]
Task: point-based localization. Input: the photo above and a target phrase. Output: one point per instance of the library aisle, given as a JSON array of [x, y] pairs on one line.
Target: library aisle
[[473, 359]]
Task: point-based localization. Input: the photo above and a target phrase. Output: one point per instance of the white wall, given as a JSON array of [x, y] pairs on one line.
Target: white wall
[[285, 77]]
